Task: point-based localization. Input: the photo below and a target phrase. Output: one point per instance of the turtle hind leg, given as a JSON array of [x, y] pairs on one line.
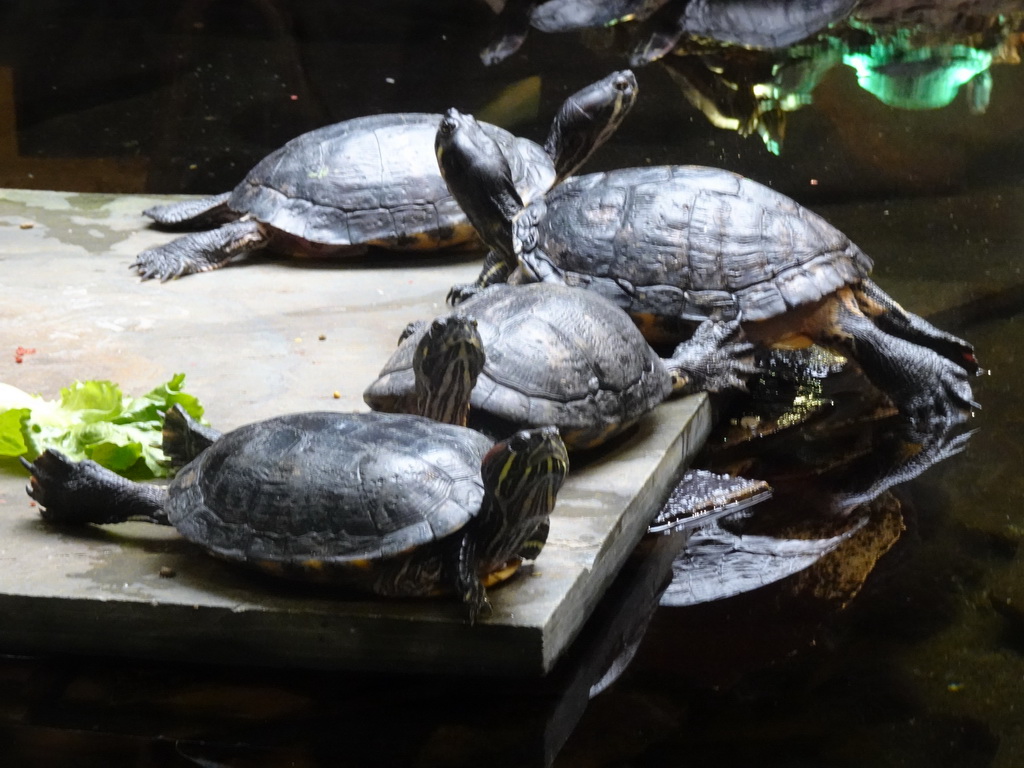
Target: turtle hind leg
[[189, 214], [200, 251], [184, 438], [894, 319], [84, 492], [925, 386]]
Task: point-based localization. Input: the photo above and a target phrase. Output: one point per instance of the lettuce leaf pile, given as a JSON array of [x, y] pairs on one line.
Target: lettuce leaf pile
[[93, 420]]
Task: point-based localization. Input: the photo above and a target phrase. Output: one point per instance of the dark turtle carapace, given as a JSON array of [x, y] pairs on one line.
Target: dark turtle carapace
[[675, 245], [395, 504], [371, 182], [567, 357]]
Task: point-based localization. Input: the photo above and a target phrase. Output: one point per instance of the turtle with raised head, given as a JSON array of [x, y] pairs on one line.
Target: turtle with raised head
[[394, 504], [675, 245], [570, 358], [371, 181]]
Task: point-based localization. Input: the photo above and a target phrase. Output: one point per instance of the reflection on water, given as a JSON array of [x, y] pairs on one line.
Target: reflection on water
[[888, 635]]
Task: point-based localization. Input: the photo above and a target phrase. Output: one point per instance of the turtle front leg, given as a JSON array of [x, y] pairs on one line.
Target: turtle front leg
[[714, 359], [201, 251], [84, 492], [467, 583], [893, 318], [925, 386], [496, 269]]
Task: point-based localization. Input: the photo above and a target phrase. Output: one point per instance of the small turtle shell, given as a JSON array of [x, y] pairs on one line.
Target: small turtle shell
[[682, 241], [554, 355], [373, 181], [329, 488]]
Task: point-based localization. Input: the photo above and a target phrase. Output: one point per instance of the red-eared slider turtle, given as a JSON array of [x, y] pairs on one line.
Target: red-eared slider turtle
[[747, 23], [766, 24], [517, 16], [397, 504], [371, 181], [674, 245], [567, 357]]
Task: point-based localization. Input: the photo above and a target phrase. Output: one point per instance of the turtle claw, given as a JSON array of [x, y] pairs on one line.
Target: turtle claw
[[461, 292], [58, 485], [714, 359]]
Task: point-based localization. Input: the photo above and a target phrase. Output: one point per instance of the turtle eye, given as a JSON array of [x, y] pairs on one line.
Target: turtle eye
[[447, 126], [519, 442]]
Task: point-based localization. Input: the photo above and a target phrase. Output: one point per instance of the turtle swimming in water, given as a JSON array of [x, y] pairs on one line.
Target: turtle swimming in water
[[395, 504], [371, 181], [674, 245], [567, 357]]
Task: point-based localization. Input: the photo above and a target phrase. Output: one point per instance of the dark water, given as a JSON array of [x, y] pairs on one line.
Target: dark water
[[903, 647]]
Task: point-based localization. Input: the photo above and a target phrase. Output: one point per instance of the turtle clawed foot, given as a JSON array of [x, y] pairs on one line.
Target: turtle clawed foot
[[716, 358], [477, 603], [56, 483], [949, 404], [462, 292], [152, 265]]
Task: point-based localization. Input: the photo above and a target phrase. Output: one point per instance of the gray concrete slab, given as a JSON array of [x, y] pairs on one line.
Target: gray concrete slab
[[259, 339]]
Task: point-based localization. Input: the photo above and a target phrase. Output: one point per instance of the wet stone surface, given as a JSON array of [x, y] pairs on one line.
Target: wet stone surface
[[258, 339]]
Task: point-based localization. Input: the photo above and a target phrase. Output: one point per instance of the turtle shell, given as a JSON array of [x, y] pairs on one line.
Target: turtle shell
[[327, 489], [373, 181], [554, 355], [689, 242]]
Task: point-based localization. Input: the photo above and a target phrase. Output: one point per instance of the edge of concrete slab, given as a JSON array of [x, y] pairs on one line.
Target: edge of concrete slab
[[240, 332]]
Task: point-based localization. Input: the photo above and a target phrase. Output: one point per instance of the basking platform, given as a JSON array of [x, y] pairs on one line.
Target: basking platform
[[257, 339]]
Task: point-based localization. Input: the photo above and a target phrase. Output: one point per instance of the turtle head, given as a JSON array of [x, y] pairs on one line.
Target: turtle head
[[587, 119], [522, 476], [479, 177], [448, 359]]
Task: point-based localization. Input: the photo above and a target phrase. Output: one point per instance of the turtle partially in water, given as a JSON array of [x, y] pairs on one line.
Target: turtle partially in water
[[391, 503], [569, 358], [674, 245], [371, 181]]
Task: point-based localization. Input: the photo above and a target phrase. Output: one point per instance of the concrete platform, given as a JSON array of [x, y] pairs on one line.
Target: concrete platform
[[258, 339]]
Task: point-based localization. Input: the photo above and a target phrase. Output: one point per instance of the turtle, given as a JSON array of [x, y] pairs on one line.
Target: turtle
[[762, 24], [568, 357], [758, 24], [396, 504], [552, 16], [674, 245], [370, 181]]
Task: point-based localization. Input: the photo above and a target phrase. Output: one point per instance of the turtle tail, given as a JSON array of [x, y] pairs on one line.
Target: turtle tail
[[84, 492], [193, 214]]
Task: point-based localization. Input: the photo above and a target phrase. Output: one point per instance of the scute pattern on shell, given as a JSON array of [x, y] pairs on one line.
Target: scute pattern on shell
[[329, 487], [651, 234], [554, 355], [372, 181]]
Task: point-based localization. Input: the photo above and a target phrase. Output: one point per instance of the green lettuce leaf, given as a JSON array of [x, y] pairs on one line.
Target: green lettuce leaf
[[94, 420]]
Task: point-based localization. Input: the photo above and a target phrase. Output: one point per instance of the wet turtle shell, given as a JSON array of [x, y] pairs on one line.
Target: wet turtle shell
[[554, 355], [373, 181], [689, 242], [341, 489], [675, 245]]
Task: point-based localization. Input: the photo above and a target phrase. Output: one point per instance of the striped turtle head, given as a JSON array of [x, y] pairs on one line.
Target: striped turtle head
[[522, 476], [587, 120], [447, 362], [479, 177]]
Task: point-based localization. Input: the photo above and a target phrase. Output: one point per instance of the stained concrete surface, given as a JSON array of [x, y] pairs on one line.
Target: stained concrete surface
[[257, 339]]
